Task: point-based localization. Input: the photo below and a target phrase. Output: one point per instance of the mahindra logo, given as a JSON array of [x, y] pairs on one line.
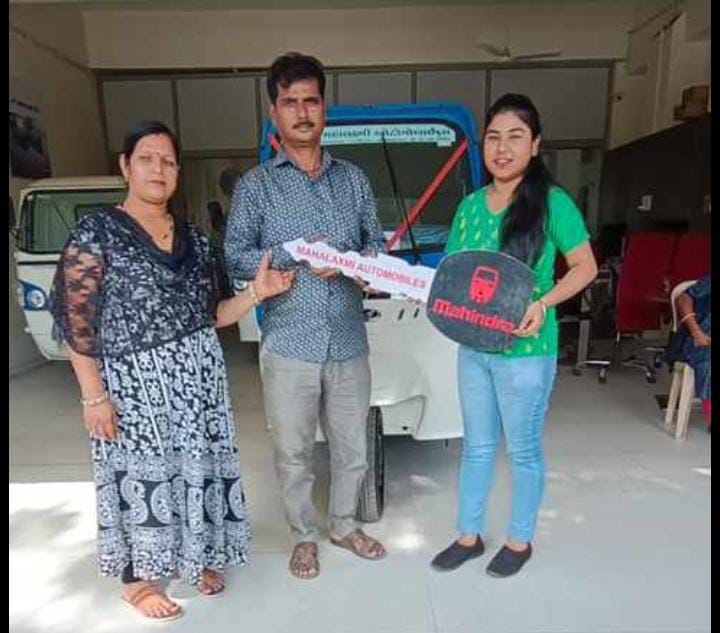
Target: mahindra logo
[[483, 284], [454, 312]]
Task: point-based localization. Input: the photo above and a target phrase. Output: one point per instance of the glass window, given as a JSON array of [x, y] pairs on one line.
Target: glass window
[[401, 160], [49, 216]]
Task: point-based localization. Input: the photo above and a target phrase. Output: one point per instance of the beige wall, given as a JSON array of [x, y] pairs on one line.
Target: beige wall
[[419, 35], [48, 66], [68, 100], [688, 65], [628, 106], [673, 59], [252, 38], [58, 28], [120, 39]]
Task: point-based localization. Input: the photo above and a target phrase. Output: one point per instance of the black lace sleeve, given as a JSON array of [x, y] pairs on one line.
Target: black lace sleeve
[[220, 282], [75, 300]]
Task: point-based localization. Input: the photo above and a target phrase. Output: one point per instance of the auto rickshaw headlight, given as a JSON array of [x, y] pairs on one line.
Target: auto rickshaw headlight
[[35, 298]]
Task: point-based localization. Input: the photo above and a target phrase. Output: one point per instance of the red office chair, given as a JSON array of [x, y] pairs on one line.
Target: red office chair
[[692, 258], [643, 294]]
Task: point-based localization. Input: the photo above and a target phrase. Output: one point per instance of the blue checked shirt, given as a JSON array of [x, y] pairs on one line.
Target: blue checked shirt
[[317, 320]]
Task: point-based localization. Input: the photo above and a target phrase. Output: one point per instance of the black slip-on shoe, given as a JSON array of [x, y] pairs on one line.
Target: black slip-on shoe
[[455, 555], [508, 562]]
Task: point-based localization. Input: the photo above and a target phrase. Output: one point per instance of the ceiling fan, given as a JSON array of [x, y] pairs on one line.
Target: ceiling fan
[[506, 53]]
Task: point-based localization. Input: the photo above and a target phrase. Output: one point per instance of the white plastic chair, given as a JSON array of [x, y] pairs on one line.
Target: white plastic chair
[[682, 387]]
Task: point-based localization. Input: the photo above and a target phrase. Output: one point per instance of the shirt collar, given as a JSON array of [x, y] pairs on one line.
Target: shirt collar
[[282, 158]]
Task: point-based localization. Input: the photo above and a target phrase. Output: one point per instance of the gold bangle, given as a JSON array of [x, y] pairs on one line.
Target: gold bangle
[[544, 307], [91, 402], [687, 316]]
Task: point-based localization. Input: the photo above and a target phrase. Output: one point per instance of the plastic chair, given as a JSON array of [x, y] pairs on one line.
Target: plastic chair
[[682, 387]]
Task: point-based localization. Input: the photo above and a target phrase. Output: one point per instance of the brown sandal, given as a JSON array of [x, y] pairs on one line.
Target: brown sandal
[[142, 594], [304, 561], [361, 545], [211, 585]]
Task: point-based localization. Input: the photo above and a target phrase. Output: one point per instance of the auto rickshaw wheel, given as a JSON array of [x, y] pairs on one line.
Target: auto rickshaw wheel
[[372, 494]]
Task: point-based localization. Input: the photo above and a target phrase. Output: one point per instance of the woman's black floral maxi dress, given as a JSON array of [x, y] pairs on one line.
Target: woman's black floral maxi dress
[[169, 492]]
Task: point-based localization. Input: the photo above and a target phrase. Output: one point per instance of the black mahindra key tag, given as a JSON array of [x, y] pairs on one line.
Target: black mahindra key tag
[[478, 298]]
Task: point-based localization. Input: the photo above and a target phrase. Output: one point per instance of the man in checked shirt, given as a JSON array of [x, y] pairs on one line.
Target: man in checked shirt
[[314, 349]]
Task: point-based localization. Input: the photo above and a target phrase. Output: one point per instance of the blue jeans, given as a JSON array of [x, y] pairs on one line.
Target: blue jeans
[[511, 394]]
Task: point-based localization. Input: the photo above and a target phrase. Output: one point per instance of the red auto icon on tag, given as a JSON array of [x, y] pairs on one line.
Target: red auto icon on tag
[[483, 284]]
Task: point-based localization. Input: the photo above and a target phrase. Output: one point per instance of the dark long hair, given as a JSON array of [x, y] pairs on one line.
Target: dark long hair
[[523, 230]]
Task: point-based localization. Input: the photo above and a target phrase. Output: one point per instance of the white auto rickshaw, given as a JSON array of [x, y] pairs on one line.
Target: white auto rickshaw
[[49, 209]]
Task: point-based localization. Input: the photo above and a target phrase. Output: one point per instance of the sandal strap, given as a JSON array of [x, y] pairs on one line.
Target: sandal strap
[[210, 578], [306, 545], [366, 541], [304, 552], [142, 593]]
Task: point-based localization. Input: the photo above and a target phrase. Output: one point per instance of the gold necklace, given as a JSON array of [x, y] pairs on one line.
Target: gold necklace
[[168, 217], [171, 225]]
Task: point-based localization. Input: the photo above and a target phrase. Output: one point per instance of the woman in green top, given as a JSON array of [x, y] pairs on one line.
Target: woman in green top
[[522, 212]]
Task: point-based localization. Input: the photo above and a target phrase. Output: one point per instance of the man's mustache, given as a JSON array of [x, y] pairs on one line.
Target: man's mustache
[[297, 126]]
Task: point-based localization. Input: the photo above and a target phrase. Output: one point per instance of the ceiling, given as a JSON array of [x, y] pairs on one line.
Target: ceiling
[[194, 5]]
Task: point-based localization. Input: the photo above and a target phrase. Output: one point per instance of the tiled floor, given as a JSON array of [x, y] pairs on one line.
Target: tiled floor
[[622, 546]]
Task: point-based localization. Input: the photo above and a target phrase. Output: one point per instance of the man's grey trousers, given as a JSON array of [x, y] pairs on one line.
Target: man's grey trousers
[[298, 393]]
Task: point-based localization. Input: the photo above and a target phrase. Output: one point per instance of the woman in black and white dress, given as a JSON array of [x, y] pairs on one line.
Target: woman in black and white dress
[[136, 297]]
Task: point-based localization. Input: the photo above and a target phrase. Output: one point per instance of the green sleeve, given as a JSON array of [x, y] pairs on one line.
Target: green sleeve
[[566, 227], [453, 243]]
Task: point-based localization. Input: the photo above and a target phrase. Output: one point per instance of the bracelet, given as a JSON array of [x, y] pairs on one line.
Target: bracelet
[[687, 316], [544, 307], [253, 293], [91, 402]]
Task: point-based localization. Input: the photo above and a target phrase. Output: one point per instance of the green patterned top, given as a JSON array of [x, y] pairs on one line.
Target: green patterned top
[[476, 227]]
